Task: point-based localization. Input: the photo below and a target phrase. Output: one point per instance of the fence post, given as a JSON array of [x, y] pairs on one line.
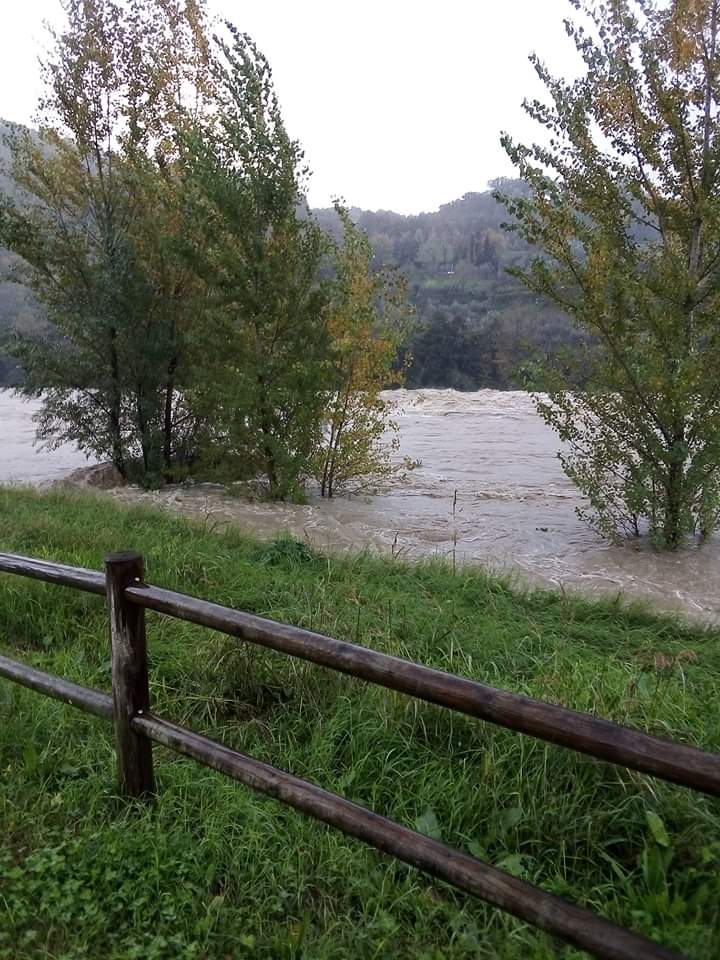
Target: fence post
[[129, 675]]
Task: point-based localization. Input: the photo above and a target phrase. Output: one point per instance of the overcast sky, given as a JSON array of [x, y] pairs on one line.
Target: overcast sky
[[399, 104]]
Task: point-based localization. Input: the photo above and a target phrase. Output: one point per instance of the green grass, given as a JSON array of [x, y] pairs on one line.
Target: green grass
[[211, 870]]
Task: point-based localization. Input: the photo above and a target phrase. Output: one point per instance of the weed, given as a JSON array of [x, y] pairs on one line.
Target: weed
[[211, 870]]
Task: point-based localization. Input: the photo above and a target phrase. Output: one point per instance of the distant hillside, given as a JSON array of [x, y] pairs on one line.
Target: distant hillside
[[19, 310], [475, 323], [6, 184]]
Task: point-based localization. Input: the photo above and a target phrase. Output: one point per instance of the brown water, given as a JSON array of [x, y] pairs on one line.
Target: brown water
[[20, 460], [489, 489]]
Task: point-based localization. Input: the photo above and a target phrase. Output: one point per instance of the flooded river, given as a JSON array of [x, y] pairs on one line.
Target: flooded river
[[20, 460], [488, 489]]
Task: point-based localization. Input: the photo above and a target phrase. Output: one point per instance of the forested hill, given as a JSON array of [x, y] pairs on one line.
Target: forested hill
[[18, 308], [475, 322]]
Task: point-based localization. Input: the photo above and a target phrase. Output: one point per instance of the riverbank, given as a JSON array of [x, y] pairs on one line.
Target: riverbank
[[488, 491], [212, 871]]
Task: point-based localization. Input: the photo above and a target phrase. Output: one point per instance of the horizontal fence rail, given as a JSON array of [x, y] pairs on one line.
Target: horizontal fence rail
[[77, 577], [676, 762], [91, 701], [545, 910], [135, 727], [581, 732]]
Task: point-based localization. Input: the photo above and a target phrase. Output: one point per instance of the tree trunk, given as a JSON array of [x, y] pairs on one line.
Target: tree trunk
[[264, 409], [270, 469], [673, 492], [266, 442], [167, 452], [329, 455], [145, 442], [168, 416], [338, 425], [118, 456]]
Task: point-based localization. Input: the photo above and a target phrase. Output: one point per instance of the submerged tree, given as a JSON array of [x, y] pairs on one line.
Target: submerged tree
[[625, 206], [259, 253], [93, 224], [367, 321]]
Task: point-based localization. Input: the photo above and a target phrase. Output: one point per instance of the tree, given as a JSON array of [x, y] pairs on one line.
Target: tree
[[367, 321], [94, 235], [624, 203], [259, 253]]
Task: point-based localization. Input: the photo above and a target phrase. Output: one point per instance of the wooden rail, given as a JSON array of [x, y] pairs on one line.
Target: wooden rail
[[581, 732], [136, 727]]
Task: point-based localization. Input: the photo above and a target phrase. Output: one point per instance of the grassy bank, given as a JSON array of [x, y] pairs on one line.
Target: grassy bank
[[213, 871]]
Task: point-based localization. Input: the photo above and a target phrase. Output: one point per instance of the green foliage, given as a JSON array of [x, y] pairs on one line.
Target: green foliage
[[90, 220], [264, 369], [186, 283], [624, 205], [212, 869], [368, 319], [287, 550], [475, 324]]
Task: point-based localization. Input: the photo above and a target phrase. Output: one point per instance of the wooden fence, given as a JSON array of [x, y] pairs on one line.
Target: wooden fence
[[128, 597]]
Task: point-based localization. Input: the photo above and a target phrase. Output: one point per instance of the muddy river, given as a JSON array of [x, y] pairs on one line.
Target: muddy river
[[488, 489]]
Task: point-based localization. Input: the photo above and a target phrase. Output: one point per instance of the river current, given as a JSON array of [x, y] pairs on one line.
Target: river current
[[488, 489]]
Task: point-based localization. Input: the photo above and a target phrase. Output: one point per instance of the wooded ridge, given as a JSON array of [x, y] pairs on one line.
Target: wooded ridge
[[475, 324]]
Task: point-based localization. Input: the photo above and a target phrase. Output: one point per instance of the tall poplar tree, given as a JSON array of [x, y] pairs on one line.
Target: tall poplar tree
[[93, 225], [624, 206], [258, 250]]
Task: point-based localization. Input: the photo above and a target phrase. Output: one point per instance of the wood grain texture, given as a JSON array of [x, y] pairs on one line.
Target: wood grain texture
[[90, 581], [573, 924], [131, 695], [582, 732], [90, 701]]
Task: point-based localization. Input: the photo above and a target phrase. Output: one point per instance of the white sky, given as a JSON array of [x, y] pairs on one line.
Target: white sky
[[399, 104]]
